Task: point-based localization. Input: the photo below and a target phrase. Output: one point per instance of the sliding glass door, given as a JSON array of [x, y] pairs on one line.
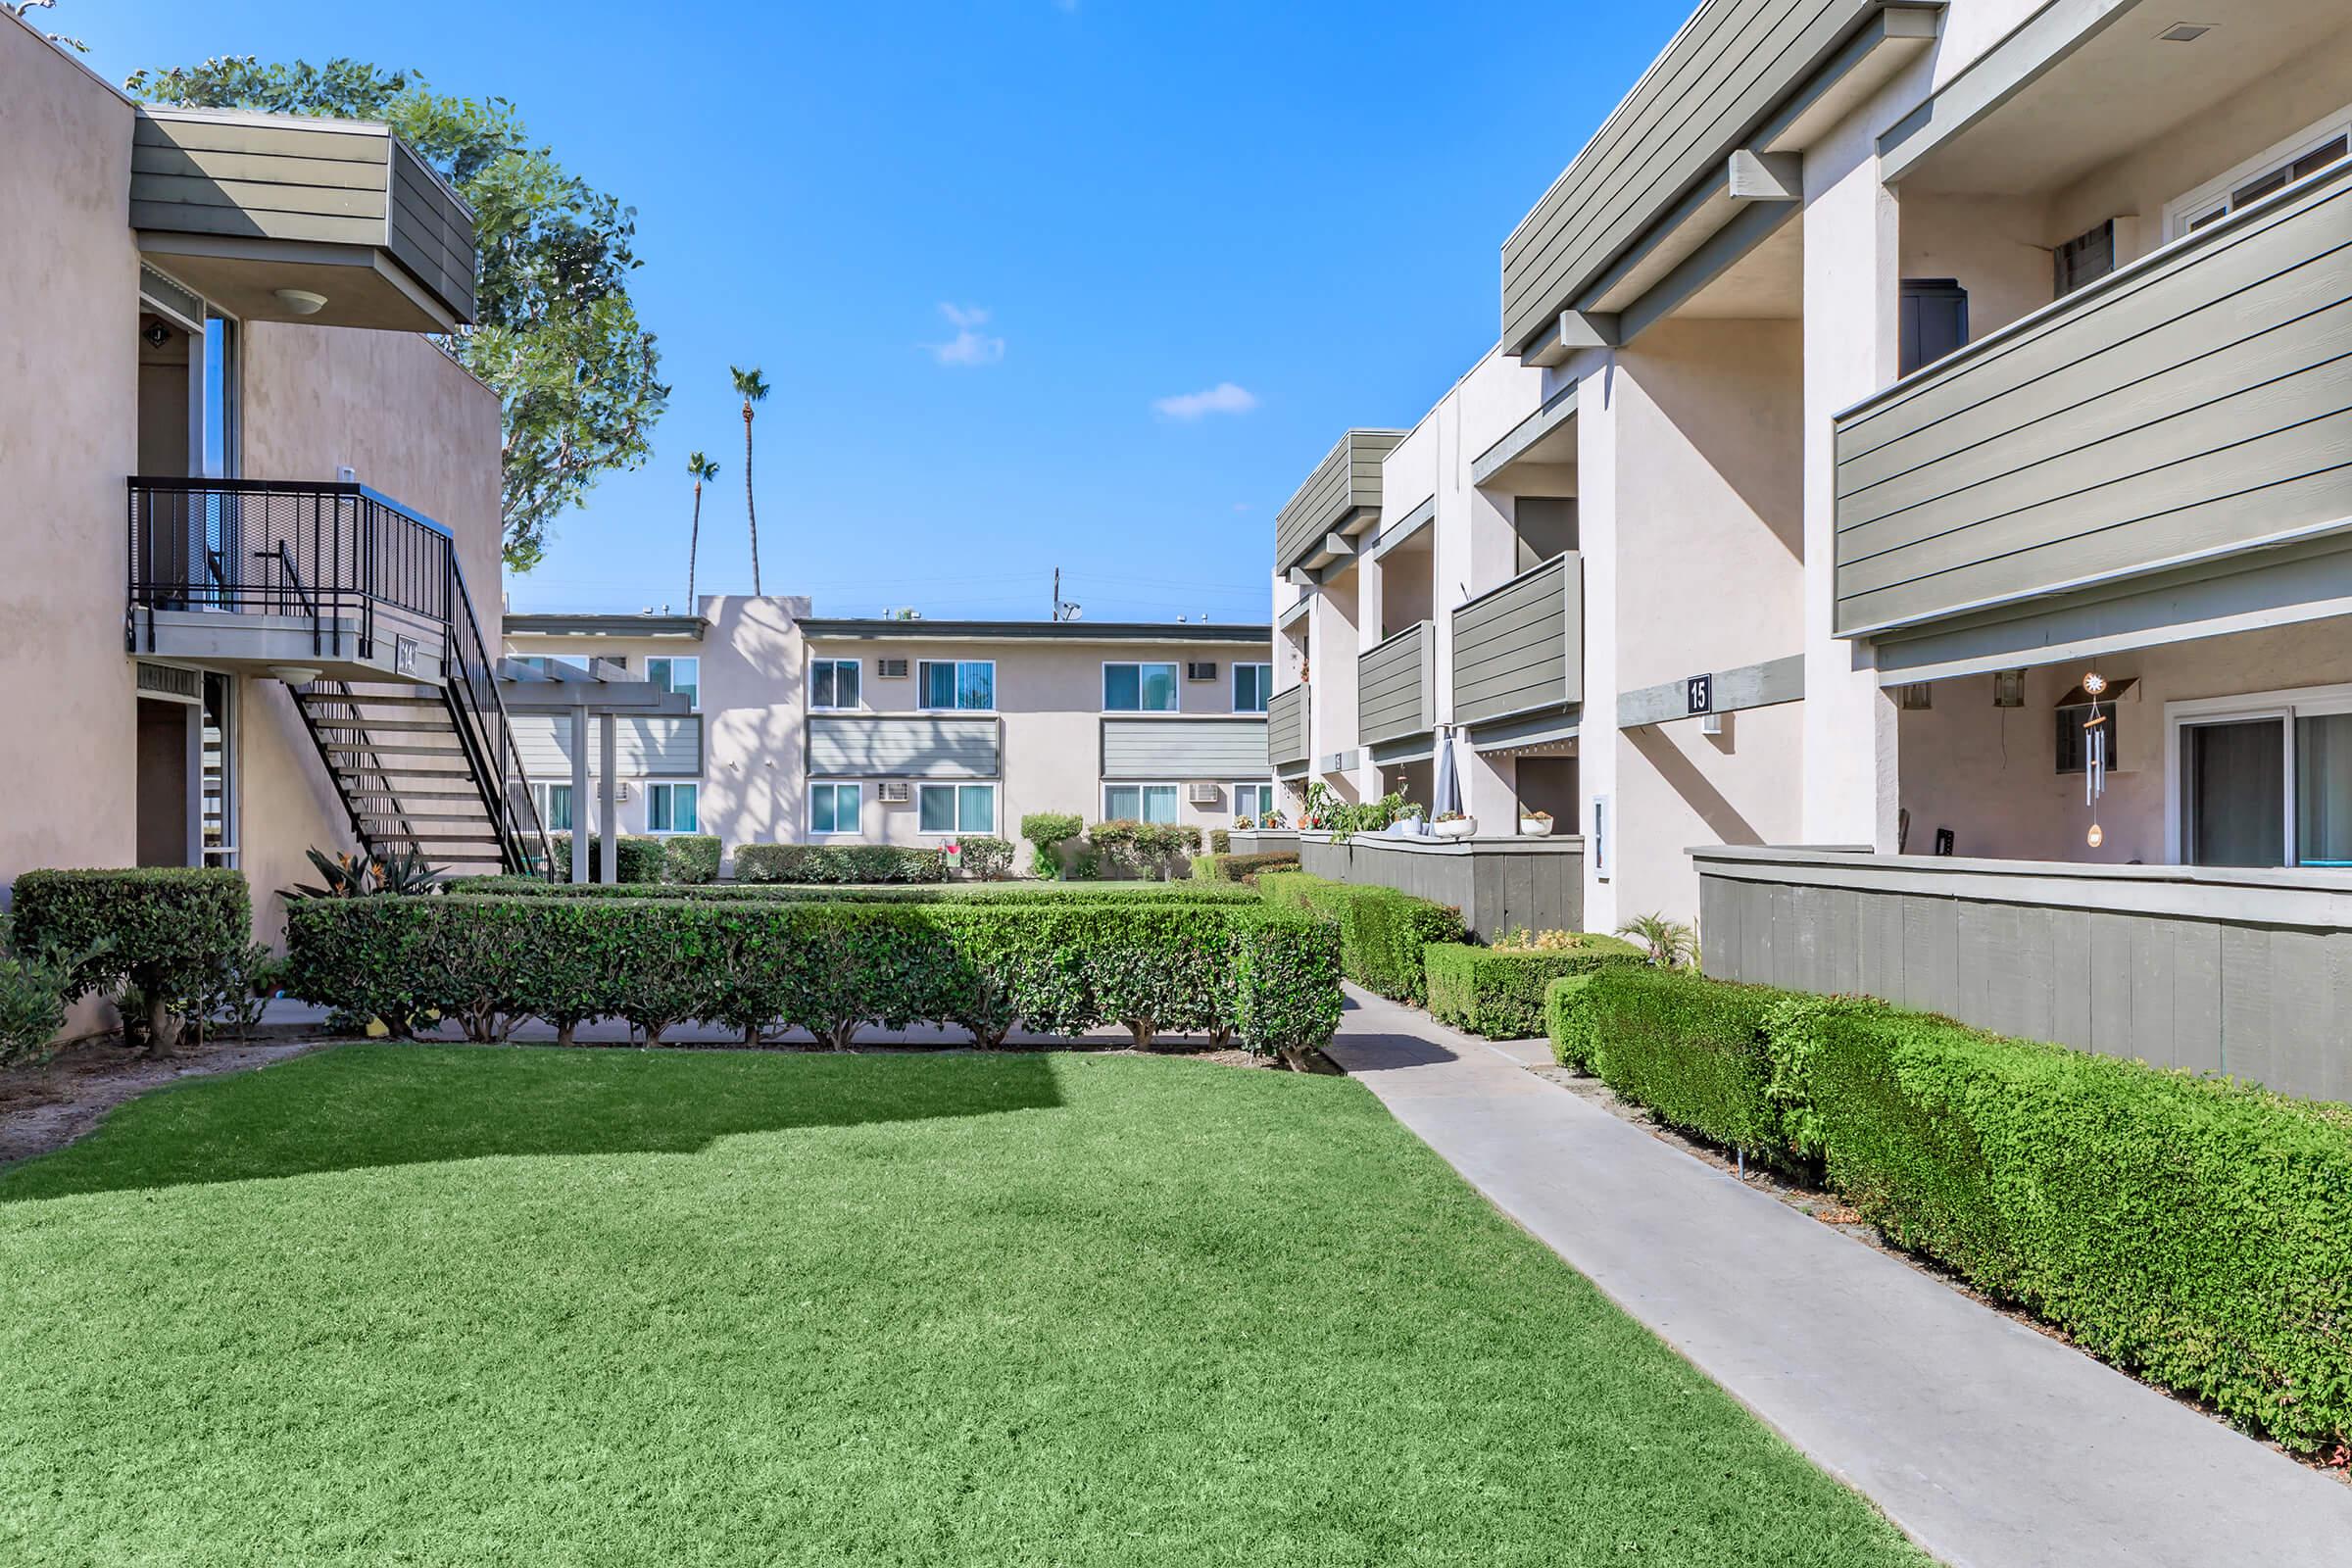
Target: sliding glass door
[[2266, 782]]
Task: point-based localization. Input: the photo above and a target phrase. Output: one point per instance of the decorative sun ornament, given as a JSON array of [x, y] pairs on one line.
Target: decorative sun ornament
[[2095, 750]]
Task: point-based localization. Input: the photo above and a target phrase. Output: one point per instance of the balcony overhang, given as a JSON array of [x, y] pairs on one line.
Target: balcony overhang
[[293, 647], [274, 218], [1544, 439], [1591, 268], [1339, 502]]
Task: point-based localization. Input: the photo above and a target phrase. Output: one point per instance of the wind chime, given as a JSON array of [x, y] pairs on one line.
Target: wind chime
[[2095, 750]]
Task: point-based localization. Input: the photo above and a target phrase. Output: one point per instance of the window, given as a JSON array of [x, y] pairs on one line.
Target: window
[[835, 807], [554, 806], [1253, 800], [2264, 779], [682, 676], [549, 663], [216, 722], [1139, 803], [956, 809], [1253, 684], [969, 684], [1138, 689], [670, 808], [2306, 154], [833, 683]]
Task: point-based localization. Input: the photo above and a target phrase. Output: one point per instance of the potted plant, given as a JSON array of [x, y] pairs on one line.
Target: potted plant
[[1534, 824], [1454, 825], [1243, 824]]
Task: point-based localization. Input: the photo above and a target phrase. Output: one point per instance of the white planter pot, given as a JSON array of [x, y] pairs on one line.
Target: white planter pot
[[1462, 828], [1535, 828]]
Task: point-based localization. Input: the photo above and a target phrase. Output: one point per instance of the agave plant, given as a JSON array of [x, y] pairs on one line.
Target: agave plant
[[361, 876], [1671, 944]]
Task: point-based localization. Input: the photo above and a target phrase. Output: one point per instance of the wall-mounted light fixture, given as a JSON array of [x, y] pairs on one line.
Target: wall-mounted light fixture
[[300, 300], [1918, 697], [2008, 688]]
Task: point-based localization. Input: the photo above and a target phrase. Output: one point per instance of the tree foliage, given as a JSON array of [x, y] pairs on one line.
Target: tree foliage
[[557, 337]]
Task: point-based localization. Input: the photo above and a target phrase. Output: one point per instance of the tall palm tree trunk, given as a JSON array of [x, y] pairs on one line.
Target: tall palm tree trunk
[[694, 543], [750, 507]]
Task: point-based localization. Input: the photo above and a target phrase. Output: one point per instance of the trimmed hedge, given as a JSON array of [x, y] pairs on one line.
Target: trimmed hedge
[[1382, 931], [691, 857], [640, 857], [2195, 1231], [935, 893], [171, 937], [828, 966], [1693, 1052], [1499, 992], [1223, 867], [838, 862]]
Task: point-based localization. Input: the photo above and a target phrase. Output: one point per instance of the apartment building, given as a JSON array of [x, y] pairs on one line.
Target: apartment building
[[808, 729], [250, 504], [1946, 410]]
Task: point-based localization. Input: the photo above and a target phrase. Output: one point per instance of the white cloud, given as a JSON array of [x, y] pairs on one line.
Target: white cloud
[[1223, 398], [1241, 506], [970, 345]]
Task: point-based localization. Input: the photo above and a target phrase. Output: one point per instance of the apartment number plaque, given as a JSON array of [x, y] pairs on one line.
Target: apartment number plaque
[[1698, 695]]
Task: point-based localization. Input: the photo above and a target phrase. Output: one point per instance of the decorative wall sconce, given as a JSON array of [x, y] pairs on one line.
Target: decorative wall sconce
[[2008, 688]]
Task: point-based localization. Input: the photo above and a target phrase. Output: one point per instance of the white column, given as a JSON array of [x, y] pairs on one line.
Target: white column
[[579, 792], [1596, 538], [1852, 269], [607, 815]]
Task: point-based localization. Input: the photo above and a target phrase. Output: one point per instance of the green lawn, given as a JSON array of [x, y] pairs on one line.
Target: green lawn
[[446, 1304]]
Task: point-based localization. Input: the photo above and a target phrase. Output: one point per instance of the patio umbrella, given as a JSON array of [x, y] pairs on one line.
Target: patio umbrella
[[1448, 791]]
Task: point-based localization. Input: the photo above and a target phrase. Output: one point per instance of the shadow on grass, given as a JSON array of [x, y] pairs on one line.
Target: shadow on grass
[[357, 1108]]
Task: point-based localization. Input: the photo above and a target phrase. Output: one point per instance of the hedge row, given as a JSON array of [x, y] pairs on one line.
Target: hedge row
[[1499, 992], [638, 857], [825, 966], [1382, 931], [938, 893], [1223, 867], [838, 862], [2195, 1231], [172, 940]]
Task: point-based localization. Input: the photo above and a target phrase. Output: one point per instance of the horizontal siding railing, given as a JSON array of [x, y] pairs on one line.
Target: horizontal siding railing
[[1519, 647], [1347, 478], [1393, 681], [2193, 404], [1285, 727]]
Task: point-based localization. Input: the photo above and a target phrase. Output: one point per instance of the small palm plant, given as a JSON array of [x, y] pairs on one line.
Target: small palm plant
[[702, 468], [359, 876], [752, 388], [1670, 943]]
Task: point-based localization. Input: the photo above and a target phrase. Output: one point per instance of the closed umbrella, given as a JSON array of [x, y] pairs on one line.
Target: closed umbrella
[[1448, 790]]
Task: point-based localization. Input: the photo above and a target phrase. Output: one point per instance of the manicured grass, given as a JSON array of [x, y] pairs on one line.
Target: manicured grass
[[446, 1304]]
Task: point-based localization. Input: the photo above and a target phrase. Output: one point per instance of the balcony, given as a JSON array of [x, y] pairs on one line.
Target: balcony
[[1519, 649], [2193, 404], [1394, 687], [1316, 527], [1286, 744]]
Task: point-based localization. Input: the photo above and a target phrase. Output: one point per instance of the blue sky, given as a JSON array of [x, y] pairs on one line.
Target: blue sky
[[976, 247]]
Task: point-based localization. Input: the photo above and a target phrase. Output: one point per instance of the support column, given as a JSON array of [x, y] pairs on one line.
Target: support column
[[579, 792], [607, 813]]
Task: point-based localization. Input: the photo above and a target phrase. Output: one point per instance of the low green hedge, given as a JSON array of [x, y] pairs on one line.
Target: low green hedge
[[169, 937], [1382, 931], [930, 893], [1223, 867], [691, 857], [838, 862], [1500, 993], [831, 966], [2195, 1231], [638, 855]]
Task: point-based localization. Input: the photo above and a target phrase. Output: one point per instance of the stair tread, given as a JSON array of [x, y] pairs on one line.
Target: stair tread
[[399, 749], [439, 794], [394, 814], [408, 726]]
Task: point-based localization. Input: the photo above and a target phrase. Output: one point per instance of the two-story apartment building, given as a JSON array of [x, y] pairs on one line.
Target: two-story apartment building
[[811, 729], [1912, 375], [250, 504]]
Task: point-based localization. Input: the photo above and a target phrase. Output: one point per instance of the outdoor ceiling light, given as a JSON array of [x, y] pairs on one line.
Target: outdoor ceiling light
[[294, 674], [300, 300]]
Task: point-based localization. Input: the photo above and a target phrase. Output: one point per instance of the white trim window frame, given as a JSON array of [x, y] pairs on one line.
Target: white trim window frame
[[1143, 802], [962, 685], [1259, 793], [958, 792], [1175, 669], [2218, 197], [833, 793], [663, 670], [542, 797], [1264, 680], [2282, 708], [661, 804], [824, 681]]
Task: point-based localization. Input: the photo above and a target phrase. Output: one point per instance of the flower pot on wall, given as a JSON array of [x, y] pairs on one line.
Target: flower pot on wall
[[1535, 828], [1461, 827]]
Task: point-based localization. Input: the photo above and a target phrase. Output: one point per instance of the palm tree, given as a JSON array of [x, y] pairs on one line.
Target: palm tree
[[751, 390], [702, 468]]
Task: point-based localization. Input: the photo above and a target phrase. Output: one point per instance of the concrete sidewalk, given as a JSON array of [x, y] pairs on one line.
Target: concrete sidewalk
[[1990, 1445]]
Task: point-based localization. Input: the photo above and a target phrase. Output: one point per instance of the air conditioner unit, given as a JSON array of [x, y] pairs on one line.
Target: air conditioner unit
[[620, 792], [896, 791], [1204, 795], [1202, 669], [891, 668]]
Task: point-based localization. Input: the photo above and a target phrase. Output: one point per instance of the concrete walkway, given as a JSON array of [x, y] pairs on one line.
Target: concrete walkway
[[1990, 1445]]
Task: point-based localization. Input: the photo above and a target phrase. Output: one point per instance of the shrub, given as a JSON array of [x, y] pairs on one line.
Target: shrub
[[832, 967], [640, 857], [1046, 832], [1669, 943], [1086, 864], [1243, 868], [164, 935], [1499, 992], [921, 893], [838, 862], [1382, 931], [985, 857], [1693, 1050], [690, 858], [33, 1000], [1220, 842]]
